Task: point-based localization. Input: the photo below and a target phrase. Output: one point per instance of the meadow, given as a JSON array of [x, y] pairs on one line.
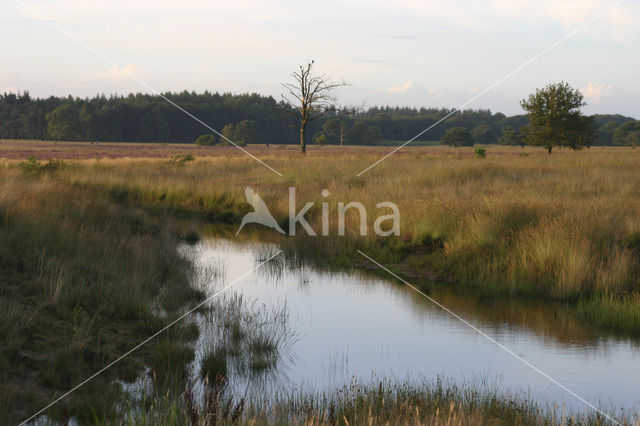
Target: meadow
[[519, 222], [89, 266]]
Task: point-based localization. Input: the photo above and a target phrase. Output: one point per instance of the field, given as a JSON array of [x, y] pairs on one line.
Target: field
[[45, 150], [89, 231]]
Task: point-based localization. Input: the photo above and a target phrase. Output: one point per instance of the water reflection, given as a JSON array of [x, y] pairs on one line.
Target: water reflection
[[352, 324]]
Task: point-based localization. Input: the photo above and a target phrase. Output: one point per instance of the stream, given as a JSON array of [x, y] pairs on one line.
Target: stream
[[356, 326]]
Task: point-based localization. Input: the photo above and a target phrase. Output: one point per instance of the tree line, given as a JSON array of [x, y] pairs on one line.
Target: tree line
[[253, 118]]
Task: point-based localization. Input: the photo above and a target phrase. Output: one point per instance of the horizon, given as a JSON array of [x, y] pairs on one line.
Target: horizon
[[363, 109]]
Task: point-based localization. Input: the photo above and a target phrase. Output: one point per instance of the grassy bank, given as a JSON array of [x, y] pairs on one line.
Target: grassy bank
[[564, 227], [83, 280], [383, 403]]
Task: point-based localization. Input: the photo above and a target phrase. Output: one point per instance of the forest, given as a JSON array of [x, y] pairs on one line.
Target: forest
[[254, 118]]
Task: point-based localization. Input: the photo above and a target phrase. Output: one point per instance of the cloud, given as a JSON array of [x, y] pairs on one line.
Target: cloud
[[594, 92], [618, 23], [400, 88], [398, 36], [118, 73]]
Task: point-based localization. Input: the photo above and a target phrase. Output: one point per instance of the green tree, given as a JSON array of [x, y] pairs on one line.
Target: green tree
[[143, 117], [483, 134], [228, 133], [365, 133], [245, 132], [555, 118], [457, 136], [334, 129], [206, 140], [633, 138], [621, 134], [604, 134], [372, 135], [63, 123], [355, 132], [320, 139], [511, 136]]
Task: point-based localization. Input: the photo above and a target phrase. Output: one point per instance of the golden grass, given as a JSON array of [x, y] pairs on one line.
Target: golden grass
[[554, 225], [565, 226]]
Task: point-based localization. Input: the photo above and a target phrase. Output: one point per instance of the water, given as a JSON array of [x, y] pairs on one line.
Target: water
[[351, 324]]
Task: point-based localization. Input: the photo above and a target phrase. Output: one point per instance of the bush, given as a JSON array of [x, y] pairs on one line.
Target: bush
[[228, 131], [181, 159], [32, 167], [206, 140], [321, 139], [244, 132], [457, 136], [481, 152]]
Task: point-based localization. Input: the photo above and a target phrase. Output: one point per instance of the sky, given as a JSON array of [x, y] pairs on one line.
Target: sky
[[405, 52]]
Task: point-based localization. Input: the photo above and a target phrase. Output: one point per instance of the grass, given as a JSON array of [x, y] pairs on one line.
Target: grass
[[243, 340], [562, 227], [83, 280], [385, 402], [89, 266]]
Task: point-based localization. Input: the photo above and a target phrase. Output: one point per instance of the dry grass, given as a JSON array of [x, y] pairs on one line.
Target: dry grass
[[82, 280], [560, 226], [564, 227], [383, 403]]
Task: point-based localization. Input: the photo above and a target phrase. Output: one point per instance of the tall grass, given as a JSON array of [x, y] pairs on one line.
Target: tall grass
[[563, 227], [384, 403], [83, 280], [89, 264]]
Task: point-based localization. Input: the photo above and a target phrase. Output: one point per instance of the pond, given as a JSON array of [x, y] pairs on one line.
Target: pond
[[352, 325]]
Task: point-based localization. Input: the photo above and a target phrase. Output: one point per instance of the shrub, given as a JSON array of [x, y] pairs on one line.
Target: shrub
[[206, 140], [181, 159], [33, 167], [481, 152], [228, 131], [457, 136], [244, 132], [321, 139]]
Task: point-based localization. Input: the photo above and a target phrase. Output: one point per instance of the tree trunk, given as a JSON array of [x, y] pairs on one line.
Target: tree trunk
[[303, 142], [549, 148]]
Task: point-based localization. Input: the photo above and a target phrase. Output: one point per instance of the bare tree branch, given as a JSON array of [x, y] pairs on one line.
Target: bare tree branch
[[310, 97]]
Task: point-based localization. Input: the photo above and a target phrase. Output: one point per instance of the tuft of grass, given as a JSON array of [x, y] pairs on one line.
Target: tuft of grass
[[386, 402], [613, 314], [242, 339], [214, 365]]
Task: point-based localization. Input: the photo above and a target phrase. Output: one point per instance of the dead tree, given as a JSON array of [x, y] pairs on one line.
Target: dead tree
[[310, 98]]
